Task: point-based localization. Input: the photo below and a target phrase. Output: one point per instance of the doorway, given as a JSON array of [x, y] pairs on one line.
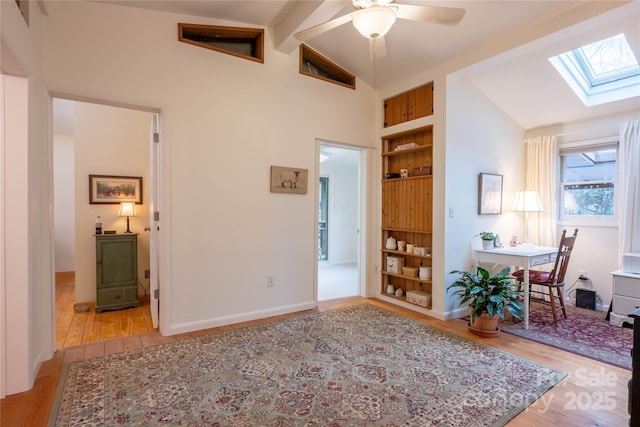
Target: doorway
[[93, 138], [339, 198]]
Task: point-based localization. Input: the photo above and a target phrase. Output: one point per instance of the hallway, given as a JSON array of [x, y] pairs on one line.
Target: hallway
[[337, 280], [73, 328]]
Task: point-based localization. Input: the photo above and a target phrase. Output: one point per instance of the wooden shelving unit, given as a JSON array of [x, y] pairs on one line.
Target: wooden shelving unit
[[407, 204]]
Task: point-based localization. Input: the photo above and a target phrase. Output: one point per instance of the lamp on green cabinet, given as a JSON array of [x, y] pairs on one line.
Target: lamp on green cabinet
[[127, 209]]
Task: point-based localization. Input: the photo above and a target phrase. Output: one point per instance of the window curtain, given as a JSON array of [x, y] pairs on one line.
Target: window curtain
[[628, 188], [541, 172]]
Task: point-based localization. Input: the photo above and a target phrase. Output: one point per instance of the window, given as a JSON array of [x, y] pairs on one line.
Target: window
[[313, 64], [588, 183], [247, 43], [601, 72], [323, 224]]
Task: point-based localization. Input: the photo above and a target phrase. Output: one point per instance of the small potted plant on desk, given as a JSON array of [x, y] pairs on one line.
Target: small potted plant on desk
[[488, 239], [488, 297]]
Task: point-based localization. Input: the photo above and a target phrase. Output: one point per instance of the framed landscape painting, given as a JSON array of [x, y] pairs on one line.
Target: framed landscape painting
[[110, 189]]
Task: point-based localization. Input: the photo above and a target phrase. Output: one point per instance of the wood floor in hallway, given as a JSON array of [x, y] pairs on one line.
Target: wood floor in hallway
[[75, 328]]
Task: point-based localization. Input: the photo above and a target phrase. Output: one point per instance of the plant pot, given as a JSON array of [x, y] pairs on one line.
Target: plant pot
[[485, 326], [487, 244]]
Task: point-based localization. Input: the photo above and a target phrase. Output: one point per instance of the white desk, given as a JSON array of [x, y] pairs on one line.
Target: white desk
[[519, 256]]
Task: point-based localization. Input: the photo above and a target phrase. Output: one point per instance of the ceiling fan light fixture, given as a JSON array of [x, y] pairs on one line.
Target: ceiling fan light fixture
[[363, 4], [375, 21]]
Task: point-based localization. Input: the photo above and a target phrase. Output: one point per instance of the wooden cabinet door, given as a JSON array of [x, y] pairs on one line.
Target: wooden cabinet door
[[394, 111], [411, 105], [116, 261], [408, 106], [403, 106], [423, 106], [116, 272]]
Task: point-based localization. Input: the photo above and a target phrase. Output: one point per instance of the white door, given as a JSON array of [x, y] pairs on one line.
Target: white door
[[154, 186]]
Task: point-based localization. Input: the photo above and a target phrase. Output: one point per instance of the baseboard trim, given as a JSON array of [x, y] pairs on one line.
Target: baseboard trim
[[237, 318]]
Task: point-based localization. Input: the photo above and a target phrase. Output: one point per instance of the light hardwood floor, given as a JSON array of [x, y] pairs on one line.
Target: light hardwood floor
[[74, 328], [593, 393]]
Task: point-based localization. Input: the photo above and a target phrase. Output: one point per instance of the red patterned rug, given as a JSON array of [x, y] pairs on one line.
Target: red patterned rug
[[585, 332], [357, 366]]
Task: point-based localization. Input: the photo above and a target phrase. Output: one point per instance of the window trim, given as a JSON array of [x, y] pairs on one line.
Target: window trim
[[575, 68], [611, 142]]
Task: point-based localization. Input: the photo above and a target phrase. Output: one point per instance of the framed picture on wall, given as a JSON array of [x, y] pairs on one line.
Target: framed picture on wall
[[489, 194], [111, 189], [289, 180]]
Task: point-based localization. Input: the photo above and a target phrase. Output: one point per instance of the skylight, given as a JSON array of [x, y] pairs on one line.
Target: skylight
[[601, 72]]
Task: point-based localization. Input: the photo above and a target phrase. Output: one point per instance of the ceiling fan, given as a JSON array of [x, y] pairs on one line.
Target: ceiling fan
[[374, 18]]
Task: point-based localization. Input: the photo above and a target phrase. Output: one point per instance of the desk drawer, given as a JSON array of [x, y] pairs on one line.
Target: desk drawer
[[626, 286], [543, 259], [624, 305]]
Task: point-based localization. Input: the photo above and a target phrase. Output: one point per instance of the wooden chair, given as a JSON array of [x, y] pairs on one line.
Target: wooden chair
[[552, 281]]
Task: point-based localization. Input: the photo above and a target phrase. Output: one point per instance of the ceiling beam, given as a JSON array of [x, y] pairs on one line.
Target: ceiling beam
[[299, 15]]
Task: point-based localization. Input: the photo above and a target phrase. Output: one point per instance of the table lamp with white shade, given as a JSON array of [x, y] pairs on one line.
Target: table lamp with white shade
[[527, 201], [127, 209]]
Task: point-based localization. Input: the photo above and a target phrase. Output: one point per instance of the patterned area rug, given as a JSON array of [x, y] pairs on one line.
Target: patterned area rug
[[357, 366], [585, 332]]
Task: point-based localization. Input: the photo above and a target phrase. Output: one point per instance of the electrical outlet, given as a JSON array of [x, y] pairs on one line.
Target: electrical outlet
[[147, 274], [270, 281]]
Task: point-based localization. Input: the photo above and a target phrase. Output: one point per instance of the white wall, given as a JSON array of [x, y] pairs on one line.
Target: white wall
[[27, 303], [225, 120], [491, 142], [108, 141], [64, 203], [15, 267]]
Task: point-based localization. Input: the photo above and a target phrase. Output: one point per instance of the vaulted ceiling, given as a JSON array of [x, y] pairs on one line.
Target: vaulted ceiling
[[521, 82]]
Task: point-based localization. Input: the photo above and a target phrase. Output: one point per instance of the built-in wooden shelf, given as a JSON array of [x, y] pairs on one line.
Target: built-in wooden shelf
[[406, 151], [402, 276], [247, 43], [407, 205], [403, 253], [315, 65], [404, 299]]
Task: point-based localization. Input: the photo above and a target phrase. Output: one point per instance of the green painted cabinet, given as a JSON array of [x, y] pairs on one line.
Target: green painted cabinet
[[116, 271]]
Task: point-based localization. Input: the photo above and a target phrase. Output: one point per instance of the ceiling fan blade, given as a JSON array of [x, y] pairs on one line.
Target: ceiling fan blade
[[316, 30], [432, 14], [377, 48]]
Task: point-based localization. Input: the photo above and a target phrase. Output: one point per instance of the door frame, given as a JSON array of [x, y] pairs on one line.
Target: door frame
[[362, 212], [155, 136], [155, 185]]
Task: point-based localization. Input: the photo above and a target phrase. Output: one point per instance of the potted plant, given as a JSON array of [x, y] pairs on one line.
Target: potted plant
[[488, 298], [488, 238]]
